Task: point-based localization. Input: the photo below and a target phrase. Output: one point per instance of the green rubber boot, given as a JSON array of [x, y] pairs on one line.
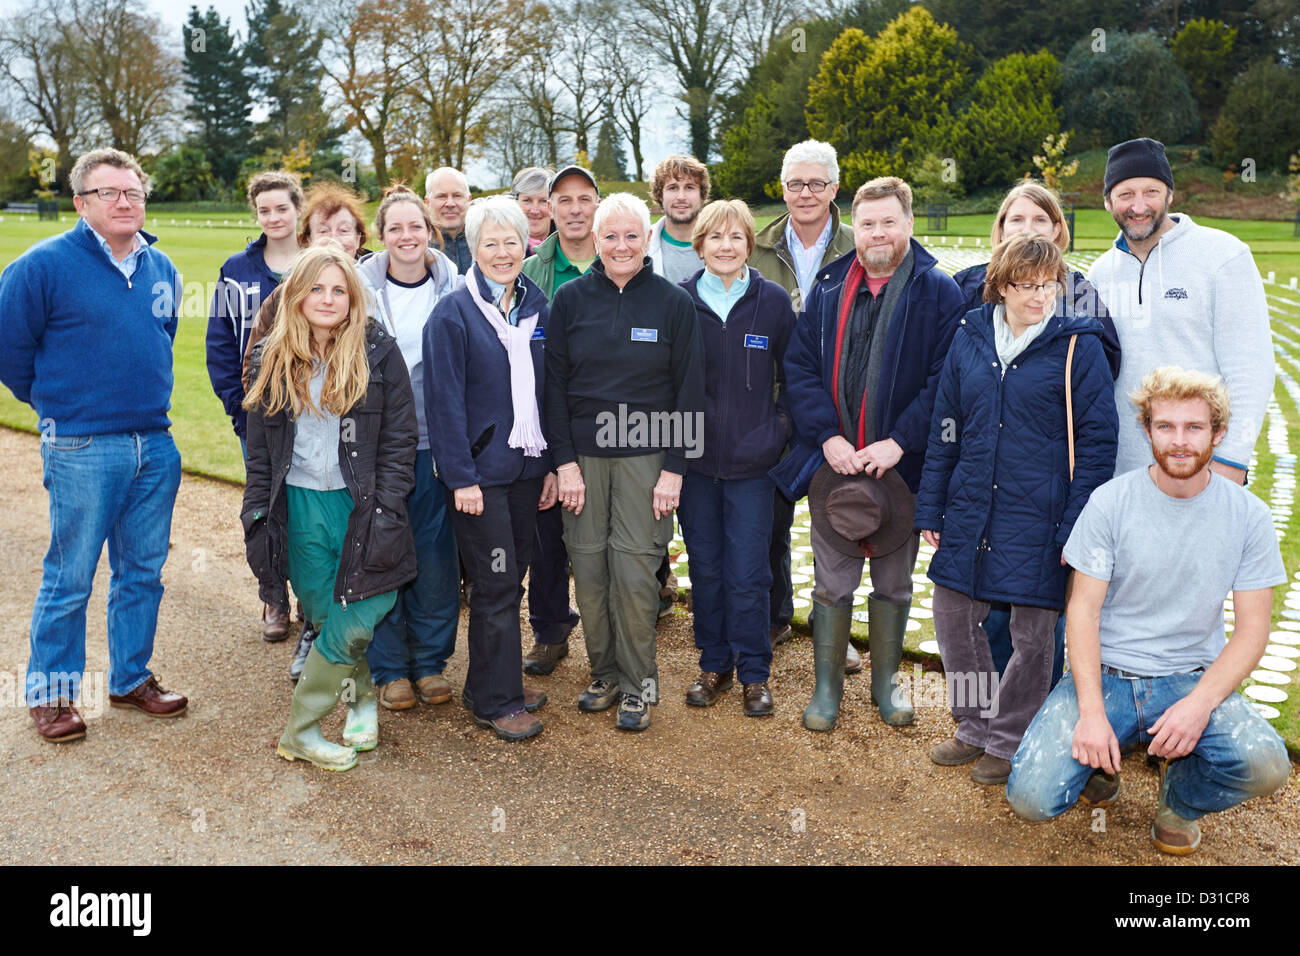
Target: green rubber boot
[[315, 695], [361, 732], [830, 643], [886, 624]]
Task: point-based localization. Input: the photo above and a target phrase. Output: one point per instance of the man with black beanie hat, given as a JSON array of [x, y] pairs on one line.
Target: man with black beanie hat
[[1180, 294]]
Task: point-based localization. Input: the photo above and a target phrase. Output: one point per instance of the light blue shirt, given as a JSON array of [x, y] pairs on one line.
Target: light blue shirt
[[807, 261], [315, 461], [497, 290], [717, 297], [125, 266]]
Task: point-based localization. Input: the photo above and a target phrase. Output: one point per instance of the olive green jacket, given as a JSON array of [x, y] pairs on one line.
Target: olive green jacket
[[772, 257]]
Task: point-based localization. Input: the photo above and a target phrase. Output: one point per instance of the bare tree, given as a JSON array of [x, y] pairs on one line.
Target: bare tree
[[629, 85], [47, 81], [534, 85], [362, 57], [131, 80], [579, 65], [762, 23], [696, 39], [458, 52]]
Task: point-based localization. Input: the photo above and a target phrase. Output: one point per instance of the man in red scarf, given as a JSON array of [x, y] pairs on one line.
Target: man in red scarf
[[861, 375]]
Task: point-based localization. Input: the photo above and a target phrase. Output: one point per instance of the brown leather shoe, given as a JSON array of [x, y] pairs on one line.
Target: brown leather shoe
[[275, 624], [991, 771], [704, 692], [58, 723], [780, 635], [153, 699], [397, 694], [852, 660], [533, 699], [513, 727], [758, 700], [433, 689], [542, 658]]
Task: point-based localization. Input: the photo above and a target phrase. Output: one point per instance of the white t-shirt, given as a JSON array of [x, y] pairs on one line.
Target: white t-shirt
[[410, 307], [1170, 563]]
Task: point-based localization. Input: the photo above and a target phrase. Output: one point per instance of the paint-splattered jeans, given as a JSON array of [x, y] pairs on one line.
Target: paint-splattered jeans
[[1239, 755]]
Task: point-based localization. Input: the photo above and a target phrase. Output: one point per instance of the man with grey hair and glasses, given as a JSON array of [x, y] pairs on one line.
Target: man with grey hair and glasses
[[790, 251], [88, 319]]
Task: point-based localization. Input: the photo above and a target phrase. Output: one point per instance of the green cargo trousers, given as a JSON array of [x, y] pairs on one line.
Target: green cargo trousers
[[318, 522], [616, 545]]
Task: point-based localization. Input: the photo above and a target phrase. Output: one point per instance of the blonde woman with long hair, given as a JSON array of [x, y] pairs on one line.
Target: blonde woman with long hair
[[331, 453]]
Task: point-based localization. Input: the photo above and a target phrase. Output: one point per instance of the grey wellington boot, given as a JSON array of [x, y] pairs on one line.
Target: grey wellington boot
[[315, 695], [887, 623], [830, 640], [361, 732]]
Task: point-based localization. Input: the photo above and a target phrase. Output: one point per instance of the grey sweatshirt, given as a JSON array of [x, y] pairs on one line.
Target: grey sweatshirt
[[1197, 302]]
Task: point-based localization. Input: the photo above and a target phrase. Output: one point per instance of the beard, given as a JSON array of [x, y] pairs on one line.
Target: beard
[[884, 260], [1136, 234], [1187, 468], [680, 218]]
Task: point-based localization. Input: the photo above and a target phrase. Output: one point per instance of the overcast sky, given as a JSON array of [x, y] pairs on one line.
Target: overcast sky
[[664, 134]]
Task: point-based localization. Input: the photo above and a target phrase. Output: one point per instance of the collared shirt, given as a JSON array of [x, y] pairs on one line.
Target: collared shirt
[[497, 290], [719, 298], [315, 462], [807, 261], [566, 270], [125, 266]]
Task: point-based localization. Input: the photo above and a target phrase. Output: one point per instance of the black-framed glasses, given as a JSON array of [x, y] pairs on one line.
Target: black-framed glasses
[[815, 186], [135, 197], [1030, 288]]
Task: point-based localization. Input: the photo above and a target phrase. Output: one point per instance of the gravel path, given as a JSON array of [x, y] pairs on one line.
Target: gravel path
[[698, 787]]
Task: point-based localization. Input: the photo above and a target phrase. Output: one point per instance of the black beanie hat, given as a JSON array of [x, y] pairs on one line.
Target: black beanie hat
[[1137, 157]]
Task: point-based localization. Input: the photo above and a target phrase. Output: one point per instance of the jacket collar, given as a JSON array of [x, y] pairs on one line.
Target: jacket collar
[[922, 261], [772, 235], [647, 269]]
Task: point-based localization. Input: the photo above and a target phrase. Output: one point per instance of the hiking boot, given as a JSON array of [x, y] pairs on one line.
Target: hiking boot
[[633, 713], [758, 700], [780, 634], [512, 727], [1102, 789], [991, 770], [533, 699], [397, 695], [707, 688], [600, 695], [433, 689], [1169, 832], [543, 657], [275, 624], [953, 753]]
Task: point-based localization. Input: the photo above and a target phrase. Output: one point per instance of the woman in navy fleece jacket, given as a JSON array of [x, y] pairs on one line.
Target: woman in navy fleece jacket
[[726, 511]]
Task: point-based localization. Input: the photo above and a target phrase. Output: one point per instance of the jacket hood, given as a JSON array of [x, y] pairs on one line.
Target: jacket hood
[[375, 267]]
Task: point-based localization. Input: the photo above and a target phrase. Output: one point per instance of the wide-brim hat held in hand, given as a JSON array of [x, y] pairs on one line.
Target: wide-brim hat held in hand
[[861, 516]]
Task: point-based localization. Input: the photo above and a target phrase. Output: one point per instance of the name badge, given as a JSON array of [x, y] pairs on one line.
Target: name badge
[[645, 335], [756, 341], [539, 333]]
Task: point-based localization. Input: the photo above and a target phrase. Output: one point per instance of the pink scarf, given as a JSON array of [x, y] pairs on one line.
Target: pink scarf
[[517, 340]]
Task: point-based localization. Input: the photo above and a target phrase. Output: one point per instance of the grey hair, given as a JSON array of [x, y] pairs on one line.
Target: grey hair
[[530, 179], [501, 210], [107, 156], [622, 204], [812, 151], [428, 180]]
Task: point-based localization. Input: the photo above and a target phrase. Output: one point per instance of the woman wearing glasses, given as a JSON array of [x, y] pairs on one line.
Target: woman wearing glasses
[[247, 278], [1013, 455]]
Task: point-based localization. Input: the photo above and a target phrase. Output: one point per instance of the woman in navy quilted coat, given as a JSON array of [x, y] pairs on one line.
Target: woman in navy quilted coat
[[997, 500]]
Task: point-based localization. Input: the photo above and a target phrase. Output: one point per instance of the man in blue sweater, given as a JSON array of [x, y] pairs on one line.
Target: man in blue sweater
[[88, 319]]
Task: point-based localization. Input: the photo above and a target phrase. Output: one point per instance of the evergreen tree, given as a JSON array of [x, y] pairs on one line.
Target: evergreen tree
[[219, 90], [610, 162], [282, 53]]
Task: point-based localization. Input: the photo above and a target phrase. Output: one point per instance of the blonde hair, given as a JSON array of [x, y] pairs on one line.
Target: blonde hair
[[719, 213], [287, 355], [1169, 383], [1021, 257], [1044, 199]]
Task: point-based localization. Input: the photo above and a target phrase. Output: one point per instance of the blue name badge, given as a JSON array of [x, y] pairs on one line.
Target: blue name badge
[[539, 333], [645, 335], [756, 341]]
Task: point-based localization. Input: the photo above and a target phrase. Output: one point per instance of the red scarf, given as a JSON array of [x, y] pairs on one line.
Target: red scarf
[[852, 281]]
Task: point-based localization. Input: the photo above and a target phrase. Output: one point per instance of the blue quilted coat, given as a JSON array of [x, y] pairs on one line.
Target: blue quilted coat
[[996, 482]]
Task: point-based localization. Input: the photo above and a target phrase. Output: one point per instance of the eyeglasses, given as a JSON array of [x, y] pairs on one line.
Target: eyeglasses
[[815, 186], [135, 197], [1031, 288], [343, 232]]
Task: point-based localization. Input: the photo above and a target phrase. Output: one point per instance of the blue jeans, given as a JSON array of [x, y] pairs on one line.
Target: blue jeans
[[118, 488], [419, 634], [727, 526], [1239, 755]]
